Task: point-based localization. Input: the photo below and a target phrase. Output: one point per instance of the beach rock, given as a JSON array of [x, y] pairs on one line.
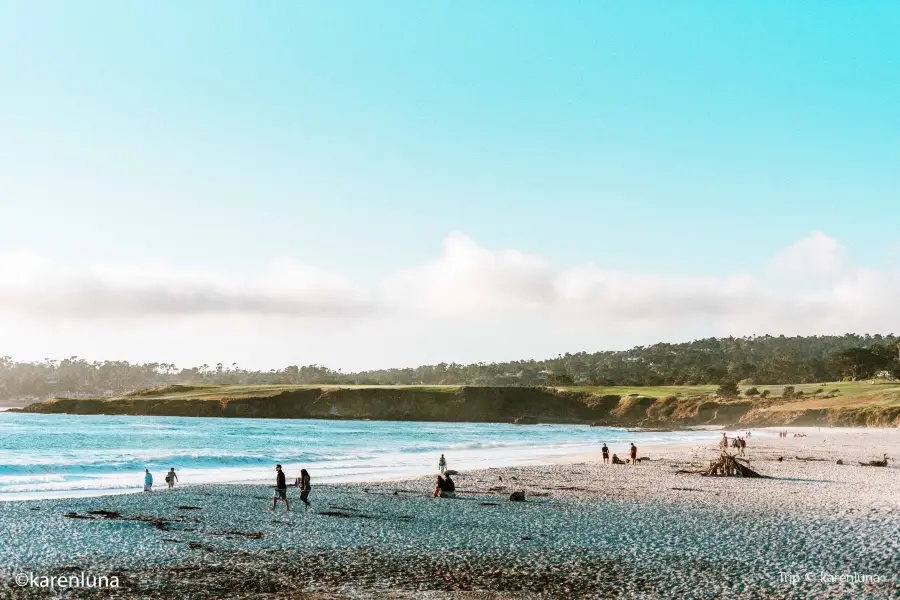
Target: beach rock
[[517, 497], [839, 462]]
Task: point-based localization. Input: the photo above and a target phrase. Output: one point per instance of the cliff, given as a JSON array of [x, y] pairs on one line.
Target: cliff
[[478, 404]]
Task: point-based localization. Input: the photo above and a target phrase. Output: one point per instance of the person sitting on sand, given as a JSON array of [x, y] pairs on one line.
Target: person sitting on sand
[[305, 487], [442, 464], [148, 481], [449, 487], [280, 490], [438, 487], [633, 454], [617, 461], [171, 478], [605, 453]]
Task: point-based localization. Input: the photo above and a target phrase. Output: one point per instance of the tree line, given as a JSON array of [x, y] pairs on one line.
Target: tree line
[[763, 360]]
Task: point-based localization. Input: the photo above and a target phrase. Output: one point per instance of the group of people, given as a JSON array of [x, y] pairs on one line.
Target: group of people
[[302, 482], [633, 451], [171, 478], [444, 487], [738, 442]]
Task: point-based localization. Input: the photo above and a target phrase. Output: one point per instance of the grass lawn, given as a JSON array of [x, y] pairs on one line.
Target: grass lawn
[[852, 394]]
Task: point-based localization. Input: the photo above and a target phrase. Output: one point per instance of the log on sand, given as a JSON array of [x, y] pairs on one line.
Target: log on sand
[[726, 465]]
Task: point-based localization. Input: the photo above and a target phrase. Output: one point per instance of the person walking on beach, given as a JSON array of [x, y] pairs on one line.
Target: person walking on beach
[[723, 443], [442, 464], [633, 454], [305, 487], [280, 490], [148, 481], [171, 478], [605, 454]]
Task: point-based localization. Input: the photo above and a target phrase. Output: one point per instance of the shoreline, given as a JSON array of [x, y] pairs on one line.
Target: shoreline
[[656, 448], [585, 529]]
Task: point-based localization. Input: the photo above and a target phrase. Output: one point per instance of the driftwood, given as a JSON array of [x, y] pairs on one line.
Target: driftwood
[[876, 463], [726, 465]]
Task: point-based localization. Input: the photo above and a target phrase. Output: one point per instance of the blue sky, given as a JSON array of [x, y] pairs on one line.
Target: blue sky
[[665, 139]]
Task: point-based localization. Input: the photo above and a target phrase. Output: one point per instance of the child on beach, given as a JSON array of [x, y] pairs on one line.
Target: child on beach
[[171, 478], [280, 490], [148, 481], [605, 453], [442, 464], [438, 488]]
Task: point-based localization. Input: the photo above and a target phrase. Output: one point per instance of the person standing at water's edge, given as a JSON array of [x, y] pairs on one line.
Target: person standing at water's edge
[[442, 464], [148, 481], [171, 478], [605, 454], [633, 454], [280, 490]]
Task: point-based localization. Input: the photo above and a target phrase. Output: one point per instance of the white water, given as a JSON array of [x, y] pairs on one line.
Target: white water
[[73, 455]]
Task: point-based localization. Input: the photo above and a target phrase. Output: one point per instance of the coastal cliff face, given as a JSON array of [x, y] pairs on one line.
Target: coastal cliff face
[[474, 404]]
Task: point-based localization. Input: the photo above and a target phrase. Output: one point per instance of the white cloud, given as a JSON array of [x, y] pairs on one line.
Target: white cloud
[[827, 294], [816, 256], [462, 293], [36, 286]]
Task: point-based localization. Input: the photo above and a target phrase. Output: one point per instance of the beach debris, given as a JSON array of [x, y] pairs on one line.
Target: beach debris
[[876, 463], [256, 535], [517, 496], [810, 458], [839, 462], [199, 546], [189, 508], [74, 515], [108, 514], [726, 465]]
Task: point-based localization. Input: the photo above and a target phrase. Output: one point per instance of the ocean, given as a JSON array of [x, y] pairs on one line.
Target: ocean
[[74, 455]]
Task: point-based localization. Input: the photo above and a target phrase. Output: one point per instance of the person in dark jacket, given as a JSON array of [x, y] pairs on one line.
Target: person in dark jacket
[[280, 490], [303, 482]]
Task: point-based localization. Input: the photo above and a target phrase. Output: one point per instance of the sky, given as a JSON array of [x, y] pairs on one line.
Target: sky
[[365, 185]]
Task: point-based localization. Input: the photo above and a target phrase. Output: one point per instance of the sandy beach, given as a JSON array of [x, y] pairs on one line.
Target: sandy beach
[[814, 529]]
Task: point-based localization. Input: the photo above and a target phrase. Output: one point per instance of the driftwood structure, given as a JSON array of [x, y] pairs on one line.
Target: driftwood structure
[[876, 463], [726, 465]]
